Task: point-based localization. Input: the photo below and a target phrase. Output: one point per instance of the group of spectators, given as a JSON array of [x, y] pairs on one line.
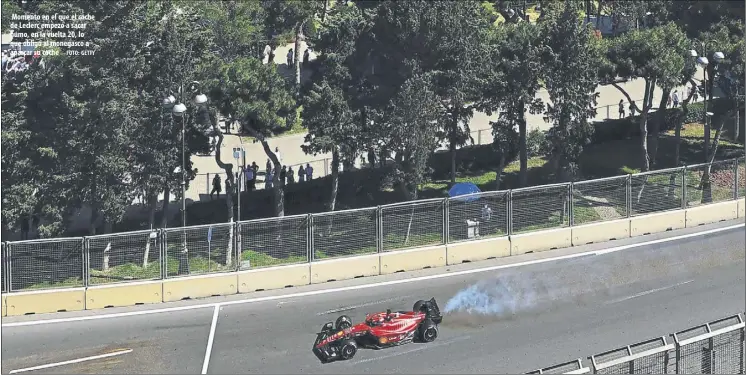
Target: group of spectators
[[286, 176], [12, 62]]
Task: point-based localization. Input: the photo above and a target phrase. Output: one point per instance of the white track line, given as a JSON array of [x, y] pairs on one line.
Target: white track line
[[645, 293], [70, 362], [211, 339], [373, 285]]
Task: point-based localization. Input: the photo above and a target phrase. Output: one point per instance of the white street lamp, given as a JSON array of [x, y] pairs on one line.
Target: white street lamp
[[200, 99], [179, 109], [702, 61]]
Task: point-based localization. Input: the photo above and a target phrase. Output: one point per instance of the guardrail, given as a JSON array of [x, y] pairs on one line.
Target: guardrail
[[228, 258], [713, 348]]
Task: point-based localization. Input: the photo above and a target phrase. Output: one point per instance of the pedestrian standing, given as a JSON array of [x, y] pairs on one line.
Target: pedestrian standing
[[250, 178], [306, 56], [291, 176], [290, 58], [283, 175], [676, 98], [301, 174], [216, 185], [309, 172], [621, 108]]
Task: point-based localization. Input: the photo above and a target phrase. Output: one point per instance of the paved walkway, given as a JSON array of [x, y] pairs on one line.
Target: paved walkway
[[293, 155]]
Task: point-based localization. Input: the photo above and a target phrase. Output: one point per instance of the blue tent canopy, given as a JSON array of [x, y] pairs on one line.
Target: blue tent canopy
[[464, 188]]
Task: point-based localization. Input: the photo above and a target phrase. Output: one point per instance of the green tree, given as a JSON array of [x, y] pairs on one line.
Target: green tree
[[255, 95], [514, 81], [332, 128], [658, 56], [411, 121], [293, 16], [571, 62]]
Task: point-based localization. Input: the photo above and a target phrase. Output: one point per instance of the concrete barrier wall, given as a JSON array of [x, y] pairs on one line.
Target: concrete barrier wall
[[540, 241], [472, 251], [600, 232], [46, 301], [119, 295], [656, 223], [413, 260], [77, 299], [274, 278], [711, 213], [200, 287], [345, 268]]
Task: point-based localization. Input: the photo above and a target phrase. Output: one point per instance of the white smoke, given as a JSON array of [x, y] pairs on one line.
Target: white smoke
[[516, 291]]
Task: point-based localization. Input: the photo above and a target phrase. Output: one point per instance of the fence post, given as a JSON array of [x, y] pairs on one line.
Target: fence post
[[608, 116], [711, 356], [446, 220], [571, 193], [509, 220], [311, 247], [9, 255], [678, 354], [735, 179], [163, 249], [628, 193], [237, 243], [86, 262], [741, 351], [379, 229], [683, 187]]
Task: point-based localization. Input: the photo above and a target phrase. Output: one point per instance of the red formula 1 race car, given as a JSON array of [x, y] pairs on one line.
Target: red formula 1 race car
[[381, 330]]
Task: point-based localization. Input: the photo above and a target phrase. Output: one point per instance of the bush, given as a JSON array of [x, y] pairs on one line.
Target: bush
[[537, 143]]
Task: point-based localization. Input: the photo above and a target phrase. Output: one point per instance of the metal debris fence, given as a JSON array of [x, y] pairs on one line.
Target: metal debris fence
[[228, 247], [713, 348]]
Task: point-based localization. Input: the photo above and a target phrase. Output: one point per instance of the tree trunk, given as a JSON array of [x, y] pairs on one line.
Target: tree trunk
[[452, 142], [500, 169], [706, 183], [645, 161], [523, 174], [677, 132], [152, 205], [230, 189], [164, 210], [326, 10], [660, 119], [335, 180], [297, 58]]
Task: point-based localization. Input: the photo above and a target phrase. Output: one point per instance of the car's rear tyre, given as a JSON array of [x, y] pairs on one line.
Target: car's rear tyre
[[428, 332], [348, 349], [343, 322]]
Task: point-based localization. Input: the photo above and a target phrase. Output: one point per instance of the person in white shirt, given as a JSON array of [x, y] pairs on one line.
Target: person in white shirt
[[676, 98], [277, 153]]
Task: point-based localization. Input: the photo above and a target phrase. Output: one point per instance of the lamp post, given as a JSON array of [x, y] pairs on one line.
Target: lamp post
[[179, 109], [703, 62], [238, 152]]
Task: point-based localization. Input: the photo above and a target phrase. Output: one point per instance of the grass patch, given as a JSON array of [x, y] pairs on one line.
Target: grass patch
[[257, 259], [72, 282], [485, 180], [320, 254]]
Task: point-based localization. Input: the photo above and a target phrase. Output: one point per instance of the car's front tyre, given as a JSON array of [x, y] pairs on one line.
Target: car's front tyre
[[348, 349]]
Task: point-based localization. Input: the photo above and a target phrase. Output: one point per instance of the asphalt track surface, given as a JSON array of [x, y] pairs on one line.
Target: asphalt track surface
[[562, 310]]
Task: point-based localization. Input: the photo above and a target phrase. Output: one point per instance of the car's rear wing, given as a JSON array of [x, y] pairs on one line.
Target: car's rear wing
[[434, 311]]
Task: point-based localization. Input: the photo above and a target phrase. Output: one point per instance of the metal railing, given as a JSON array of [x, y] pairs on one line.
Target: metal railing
[[231, 247], [714, 348]]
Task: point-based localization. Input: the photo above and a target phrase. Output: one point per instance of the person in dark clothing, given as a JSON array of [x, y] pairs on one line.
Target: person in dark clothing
[[283, 175], [621, 108], [306, 56], [291, 176], [301, 173], [216, 186]]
